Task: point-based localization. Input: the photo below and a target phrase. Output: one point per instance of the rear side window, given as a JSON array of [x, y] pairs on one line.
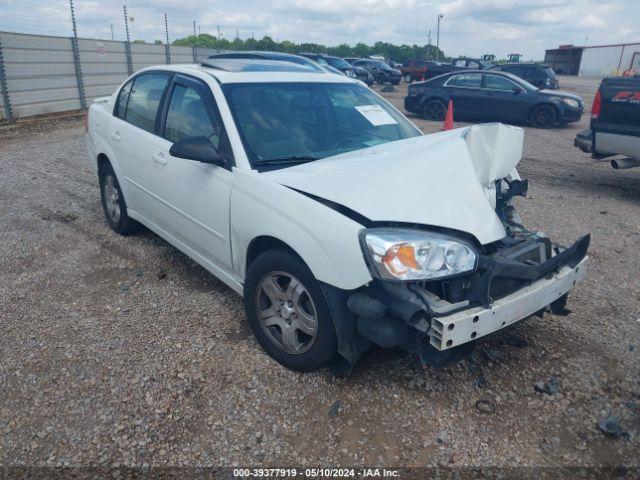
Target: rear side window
[[144, 100], [123, 98], [469, 80]]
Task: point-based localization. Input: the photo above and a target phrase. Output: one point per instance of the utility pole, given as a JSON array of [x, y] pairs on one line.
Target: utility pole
[[112, 32], [218, 42], [166, 46], [429, 45], [438, 38]]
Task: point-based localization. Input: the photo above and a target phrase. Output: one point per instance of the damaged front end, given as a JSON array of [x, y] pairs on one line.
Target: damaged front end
[[438, 320]]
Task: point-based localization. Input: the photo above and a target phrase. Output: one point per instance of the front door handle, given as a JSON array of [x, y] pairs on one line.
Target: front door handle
[[159, 159], [115, 136]]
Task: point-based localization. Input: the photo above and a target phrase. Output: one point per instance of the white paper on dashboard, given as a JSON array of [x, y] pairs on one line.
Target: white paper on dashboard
[[376, 115]]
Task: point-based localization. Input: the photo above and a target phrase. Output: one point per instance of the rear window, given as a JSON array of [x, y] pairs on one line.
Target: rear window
[[144, 100], [468, 80]]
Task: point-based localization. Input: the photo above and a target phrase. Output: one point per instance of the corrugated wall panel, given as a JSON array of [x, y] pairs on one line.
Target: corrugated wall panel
[[40, 74]]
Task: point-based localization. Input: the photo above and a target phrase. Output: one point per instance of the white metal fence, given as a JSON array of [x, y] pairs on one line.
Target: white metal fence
[[41, 74]]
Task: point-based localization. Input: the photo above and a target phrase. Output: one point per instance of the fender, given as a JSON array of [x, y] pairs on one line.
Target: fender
[[332, 251]]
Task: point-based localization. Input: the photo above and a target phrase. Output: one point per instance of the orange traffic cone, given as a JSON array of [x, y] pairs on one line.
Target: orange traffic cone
[[448, 118]]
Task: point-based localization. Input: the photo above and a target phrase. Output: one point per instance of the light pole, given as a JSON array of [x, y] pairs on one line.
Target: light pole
[[438, 38]]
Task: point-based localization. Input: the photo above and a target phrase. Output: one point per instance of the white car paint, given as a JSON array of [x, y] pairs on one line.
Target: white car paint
[[213, 214]]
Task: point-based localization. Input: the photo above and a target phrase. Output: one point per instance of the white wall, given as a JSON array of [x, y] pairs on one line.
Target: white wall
[[605, 61]]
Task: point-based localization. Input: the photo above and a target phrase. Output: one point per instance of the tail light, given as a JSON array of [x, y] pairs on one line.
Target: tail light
[[86, 121], [597, 105]]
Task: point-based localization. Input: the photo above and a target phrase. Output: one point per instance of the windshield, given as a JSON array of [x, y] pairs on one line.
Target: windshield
[[337, 62], [285, 123]]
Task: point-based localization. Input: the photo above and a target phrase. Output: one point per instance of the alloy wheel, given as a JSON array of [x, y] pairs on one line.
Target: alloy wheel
[[286, 312]]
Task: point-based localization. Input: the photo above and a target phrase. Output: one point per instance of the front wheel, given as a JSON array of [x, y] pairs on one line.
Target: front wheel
[[288, 313], [543, 116]]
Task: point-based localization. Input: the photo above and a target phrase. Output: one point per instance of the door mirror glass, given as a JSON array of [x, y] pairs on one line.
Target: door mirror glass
[[199, 149]]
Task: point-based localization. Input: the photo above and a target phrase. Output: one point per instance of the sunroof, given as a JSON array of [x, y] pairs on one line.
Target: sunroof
[[256, 65]]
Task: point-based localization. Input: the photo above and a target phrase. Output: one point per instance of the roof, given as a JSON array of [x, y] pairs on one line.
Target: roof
[[583, 47], [265, 55], [256, 70]]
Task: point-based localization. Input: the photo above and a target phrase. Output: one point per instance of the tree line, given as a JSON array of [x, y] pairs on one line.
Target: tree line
[[397, 53]]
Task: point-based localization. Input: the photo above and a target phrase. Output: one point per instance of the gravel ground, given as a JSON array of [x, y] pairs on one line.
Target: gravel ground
[[123, 352]]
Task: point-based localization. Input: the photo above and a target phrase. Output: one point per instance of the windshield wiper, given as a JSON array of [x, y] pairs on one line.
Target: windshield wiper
[[284, 160]]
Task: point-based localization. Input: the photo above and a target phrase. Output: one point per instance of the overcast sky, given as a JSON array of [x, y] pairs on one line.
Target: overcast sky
[[469, 27]]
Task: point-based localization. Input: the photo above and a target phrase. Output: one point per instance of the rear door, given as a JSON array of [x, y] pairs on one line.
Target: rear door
[[133, 133], [465, 90]]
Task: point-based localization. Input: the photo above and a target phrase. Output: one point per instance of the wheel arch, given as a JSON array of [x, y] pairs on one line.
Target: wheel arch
[[265, 243], [546, 104]]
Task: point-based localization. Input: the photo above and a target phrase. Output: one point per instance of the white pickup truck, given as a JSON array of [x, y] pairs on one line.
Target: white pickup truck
[[340, 223]]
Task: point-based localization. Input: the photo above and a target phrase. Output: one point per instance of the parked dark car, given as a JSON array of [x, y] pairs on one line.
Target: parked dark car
[[341, 65], [615, 123], [541, 76], [381, 72], [492, 96]]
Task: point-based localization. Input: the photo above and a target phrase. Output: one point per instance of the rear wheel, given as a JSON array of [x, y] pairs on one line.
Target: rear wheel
[[434, 109], [543, 116], [113, 204], [288, 313]]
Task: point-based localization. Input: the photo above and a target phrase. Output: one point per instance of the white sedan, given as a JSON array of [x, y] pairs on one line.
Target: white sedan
[[340, 223]]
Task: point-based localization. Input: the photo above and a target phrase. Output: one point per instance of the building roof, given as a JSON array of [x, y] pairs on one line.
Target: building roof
[[583, 47]]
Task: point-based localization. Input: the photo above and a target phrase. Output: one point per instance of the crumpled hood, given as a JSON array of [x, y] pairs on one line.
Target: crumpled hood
[[444, 179]]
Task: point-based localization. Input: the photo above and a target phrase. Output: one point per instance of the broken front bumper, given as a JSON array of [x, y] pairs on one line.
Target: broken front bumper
[[464, 326], [514, 282]]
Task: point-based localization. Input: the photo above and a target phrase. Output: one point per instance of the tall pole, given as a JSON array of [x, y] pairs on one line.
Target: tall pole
[[197, 40], [438, 38], [218, 42], [127, 45], [429, 45], [166, 33], [112, 32], [76, 59]]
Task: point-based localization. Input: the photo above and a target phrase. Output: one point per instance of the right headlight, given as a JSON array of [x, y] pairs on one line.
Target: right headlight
[[404, 254]]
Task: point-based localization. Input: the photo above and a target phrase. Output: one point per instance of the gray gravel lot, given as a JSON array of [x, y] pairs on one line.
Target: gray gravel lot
[[123, 352]]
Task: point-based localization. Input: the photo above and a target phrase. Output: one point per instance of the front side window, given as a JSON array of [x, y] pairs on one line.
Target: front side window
[[308, 121], [495, 82], [144, 100], [468, 80]]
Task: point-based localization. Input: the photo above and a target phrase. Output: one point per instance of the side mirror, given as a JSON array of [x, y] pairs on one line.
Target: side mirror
[[199, 149]]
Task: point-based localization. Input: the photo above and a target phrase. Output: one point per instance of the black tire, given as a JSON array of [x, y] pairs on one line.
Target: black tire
[[119, 221], [434, 109], [322, 349], [543, 116], [381, 79]]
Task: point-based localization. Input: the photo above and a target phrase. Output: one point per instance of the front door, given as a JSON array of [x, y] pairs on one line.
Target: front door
[[504, 99], [195, 196]]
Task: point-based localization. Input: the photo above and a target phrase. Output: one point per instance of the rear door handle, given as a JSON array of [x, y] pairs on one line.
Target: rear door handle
[[115, 136], [159, 159]]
